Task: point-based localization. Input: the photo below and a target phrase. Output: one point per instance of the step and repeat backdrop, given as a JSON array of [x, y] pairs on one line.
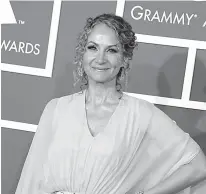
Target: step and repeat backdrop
[[168, 68]]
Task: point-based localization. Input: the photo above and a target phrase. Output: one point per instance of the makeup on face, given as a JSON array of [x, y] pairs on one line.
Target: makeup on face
[[103, 54]]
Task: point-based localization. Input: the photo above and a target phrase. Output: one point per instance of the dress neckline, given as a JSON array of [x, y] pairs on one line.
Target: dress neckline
[[108, 123]]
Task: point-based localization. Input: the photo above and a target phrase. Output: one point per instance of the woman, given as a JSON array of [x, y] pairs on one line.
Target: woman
[[103, 141]]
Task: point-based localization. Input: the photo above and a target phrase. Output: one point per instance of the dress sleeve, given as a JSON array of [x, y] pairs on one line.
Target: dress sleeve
[[31, 174], [176, 145]]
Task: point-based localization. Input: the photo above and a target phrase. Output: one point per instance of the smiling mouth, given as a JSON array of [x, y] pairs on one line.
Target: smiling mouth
[[97, 69]]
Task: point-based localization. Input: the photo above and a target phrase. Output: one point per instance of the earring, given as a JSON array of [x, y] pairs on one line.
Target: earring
[[126, 80], [77, 74], [76, 79], [122, 74], [80, 71]]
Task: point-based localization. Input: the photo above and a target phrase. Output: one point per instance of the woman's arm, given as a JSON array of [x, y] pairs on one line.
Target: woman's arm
[[32, 170], [187, 175]]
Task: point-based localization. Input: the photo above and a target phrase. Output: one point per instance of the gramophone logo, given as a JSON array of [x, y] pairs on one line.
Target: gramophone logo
[[7, 14], [28, 46]]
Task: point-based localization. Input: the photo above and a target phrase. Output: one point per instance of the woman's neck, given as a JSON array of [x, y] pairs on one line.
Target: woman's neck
[[100, 94]]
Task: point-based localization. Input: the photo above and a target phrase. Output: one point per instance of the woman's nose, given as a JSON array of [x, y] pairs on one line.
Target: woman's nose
[[101, 58]]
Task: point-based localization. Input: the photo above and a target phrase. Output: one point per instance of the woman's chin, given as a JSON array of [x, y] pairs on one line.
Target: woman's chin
[[101, 79]]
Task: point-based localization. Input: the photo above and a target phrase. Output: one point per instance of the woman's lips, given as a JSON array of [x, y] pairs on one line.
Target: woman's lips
[[98, 69]]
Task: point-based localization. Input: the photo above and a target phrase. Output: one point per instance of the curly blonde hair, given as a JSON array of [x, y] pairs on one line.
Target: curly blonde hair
[[125, 35]]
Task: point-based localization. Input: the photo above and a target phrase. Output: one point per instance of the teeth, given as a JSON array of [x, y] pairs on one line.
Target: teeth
[[100, 69]]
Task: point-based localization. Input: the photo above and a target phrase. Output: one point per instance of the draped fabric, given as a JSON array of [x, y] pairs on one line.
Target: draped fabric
[[140, 147]]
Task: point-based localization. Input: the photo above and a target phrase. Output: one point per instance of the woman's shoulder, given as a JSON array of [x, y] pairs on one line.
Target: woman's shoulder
[[139, 104], [64, 100], [58, 105]]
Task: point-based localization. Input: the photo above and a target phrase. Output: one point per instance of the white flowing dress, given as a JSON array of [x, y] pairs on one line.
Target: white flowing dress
[[140, 147]]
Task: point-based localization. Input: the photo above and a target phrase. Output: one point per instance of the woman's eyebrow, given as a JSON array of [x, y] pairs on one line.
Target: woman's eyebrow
[[113, 45], [92, 42]]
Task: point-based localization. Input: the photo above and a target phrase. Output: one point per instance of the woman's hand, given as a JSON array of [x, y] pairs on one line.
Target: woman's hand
[[188, 175]]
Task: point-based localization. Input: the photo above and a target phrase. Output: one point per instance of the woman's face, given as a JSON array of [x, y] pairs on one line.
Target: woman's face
[[103, 54]]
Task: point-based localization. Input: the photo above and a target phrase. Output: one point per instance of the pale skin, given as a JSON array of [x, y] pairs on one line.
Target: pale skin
[[103, 51]]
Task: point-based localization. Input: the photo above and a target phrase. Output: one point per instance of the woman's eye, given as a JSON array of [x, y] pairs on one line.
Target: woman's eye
[[91, 47], [112, 50]]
